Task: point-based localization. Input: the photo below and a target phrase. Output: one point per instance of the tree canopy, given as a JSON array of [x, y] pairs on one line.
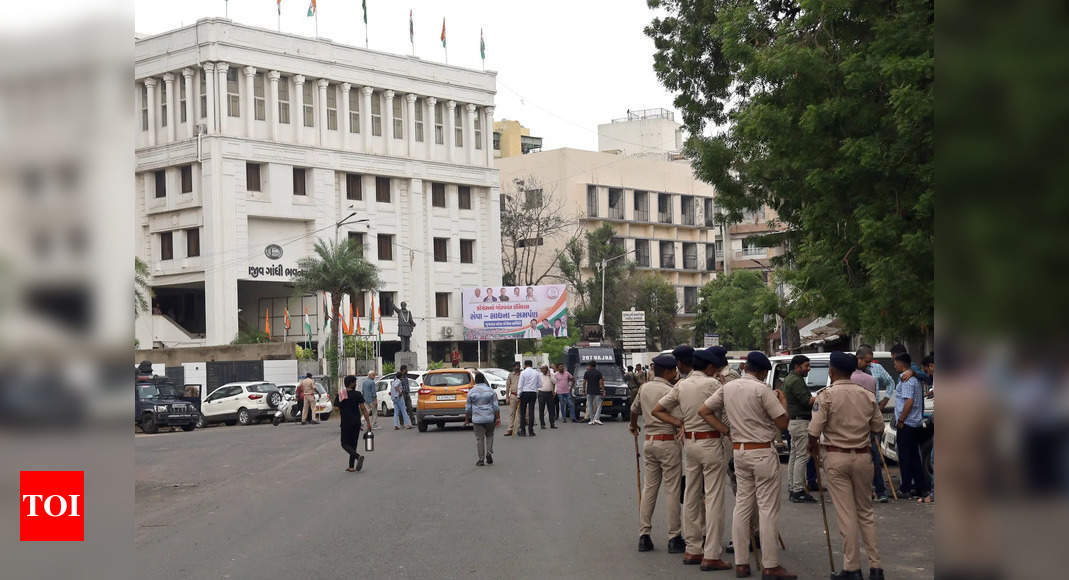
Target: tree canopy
[[822, 111], [739, 308]]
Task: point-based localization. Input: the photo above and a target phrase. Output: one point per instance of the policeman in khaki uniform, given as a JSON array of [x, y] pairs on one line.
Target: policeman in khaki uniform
[[846, 414], [704, 456], [663, 456], [684, 354], [756, 414]]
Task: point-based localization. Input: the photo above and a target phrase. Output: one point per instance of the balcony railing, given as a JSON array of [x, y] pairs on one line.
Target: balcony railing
[[665, 217], [642, 260], [668, 262], [642, 215], [688, 218], [752, 253], [616, 213]]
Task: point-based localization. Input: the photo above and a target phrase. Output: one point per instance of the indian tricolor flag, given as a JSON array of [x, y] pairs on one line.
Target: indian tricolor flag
[[307, 324], [312, 8], [380, 324], [443, 32], [286, 316]]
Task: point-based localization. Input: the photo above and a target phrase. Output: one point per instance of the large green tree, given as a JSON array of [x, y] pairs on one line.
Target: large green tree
[[601, 244], [740, 308], [823, 111], [338, 268]]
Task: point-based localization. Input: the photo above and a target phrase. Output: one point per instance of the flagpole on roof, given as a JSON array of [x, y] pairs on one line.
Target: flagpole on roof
[[364, 5], [280, 15]]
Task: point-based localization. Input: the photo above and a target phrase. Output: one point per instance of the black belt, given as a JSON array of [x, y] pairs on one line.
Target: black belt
[[803, 417]]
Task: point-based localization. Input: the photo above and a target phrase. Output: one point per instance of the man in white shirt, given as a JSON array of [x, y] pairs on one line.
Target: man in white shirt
[[530, 380], [532, 330]]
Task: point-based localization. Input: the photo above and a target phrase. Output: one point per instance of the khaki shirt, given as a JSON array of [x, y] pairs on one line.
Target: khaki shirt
[[750, 405], [511, 383], [307, 387], [846, 413], [648, 396], [688, 397]]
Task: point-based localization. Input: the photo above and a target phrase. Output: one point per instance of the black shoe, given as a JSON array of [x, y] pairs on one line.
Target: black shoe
[[847, 575], [676, 545], [532, 432], [645, 544], [523, 433], [730, 548], [802, 497], [489, 458], [479, 463], [359, 462], [875, 573], [552, 426]]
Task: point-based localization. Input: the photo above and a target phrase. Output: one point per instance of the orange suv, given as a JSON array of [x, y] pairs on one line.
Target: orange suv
[[443, 397]]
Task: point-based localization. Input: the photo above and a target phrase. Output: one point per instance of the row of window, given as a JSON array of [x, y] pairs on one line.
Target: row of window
[[440, 247], [641, 206], [185, 179], [192, 244], [309, 100]]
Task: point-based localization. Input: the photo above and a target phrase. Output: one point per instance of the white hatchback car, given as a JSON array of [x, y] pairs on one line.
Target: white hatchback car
[[324, 407], [245, 403], [382, 391], [497, 379]]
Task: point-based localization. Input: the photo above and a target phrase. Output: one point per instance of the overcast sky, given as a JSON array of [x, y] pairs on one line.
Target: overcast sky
[[563, 66]]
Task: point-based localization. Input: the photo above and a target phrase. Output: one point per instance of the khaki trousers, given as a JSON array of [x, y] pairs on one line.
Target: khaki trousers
[[702, 513], [757, 473], [514, 407], [849, 481], [799, 430], [663, 464], [309, 408]]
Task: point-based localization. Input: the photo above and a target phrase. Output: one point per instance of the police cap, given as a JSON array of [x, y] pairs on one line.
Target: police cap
[[684, 353], [757, 361], [842, 361], [665, 361], [717, 355]]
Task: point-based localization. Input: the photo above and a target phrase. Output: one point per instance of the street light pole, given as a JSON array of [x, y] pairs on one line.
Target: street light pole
[[604, 263]]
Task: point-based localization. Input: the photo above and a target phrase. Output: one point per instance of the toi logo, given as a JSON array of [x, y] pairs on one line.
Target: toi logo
[[51, 506]]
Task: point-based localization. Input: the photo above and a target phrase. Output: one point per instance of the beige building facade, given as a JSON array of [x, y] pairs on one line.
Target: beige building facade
[[512, 139]]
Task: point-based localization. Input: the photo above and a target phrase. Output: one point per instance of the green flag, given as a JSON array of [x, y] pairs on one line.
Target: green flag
[[482, 45], [364, 4]]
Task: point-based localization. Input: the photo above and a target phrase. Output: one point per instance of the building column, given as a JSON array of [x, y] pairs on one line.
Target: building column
[[410, 129], [343, 115], [191, 119], [221, 69], [488, 136], [421, 280], [250, 100], [150, 94], [387, 119], [298, 97], [469, 133], [428, 126], [272, 103], [322, 84], [450, 129], [365, 116], [209, 95], [168, 83]]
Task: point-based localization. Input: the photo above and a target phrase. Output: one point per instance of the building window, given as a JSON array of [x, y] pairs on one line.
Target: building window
[[753, 216], [144, 107], [478, 130], [398, 119], [166, 247], [458, 127], [309, 105], [467, 251], [441, 249], [233, 99], [616, 203], [664, 208], [382, 189], [533, 198], [419, 120], [690, 256], [707, 209], [353, 186], [182, 101], [439, 130], [386, 300], [252, 177], [642, 206], [284, 100], [192, 242], [530, 242], [354, 111], [690, 299], [385, 247], [203, 94], [358, 304], [186, 171], [464, 197], [710, 257], [686, 203], [642, 253], [591, 201], [376, 115], [332, 107], [497, 141], [668, 255], [357, 239], [300, 181], [258, 97], [163, 104], [161, 182], [441, 304], [751, 249], [438, 194]]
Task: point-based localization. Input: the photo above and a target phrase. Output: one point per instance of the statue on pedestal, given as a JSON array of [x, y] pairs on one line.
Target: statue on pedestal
[[405, 324]]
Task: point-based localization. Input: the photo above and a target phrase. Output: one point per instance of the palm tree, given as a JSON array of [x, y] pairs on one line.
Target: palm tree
[[338, 269], [141, 288]]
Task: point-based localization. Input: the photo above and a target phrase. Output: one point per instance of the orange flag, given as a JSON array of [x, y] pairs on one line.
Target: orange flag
[[352, 325], [267, 322], [286, 314]]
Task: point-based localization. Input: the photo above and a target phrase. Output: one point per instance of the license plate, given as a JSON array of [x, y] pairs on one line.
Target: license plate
[[320, 407], [607, 403], [446, 397]]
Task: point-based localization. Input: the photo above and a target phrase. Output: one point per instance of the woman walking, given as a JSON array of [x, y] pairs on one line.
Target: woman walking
[[483, 414], [399, 393], [350, 403]]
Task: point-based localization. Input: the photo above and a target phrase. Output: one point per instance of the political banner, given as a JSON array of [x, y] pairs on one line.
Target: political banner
[[510, 312]]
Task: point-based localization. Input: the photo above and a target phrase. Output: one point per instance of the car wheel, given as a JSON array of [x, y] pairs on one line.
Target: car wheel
[[230, 422], [421, 426], [385, 412], [148, 424], [324, 416], [201, 423], [274, 399], [244, 417], [441, 425], [188, 427]]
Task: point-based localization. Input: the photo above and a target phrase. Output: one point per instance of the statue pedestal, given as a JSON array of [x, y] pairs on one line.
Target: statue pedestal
[[408, 359]]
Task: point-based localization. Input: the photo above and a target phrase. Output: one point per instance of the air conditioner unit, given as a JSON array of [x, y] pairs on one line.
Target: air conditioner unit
[[201, 129], [447, 332]]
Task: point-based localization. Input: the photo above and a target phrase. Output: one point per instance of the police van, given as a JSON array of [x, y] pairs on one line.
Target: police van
[[609, 362]]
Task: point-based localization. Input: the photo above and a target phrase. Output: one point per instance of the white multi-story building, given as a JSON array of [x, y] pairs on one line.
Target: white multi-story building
[[253, 144]]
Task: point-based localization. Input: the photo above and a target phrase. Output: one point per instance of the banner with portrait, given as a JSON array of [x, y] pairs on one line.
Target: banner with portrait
[[510, 312]]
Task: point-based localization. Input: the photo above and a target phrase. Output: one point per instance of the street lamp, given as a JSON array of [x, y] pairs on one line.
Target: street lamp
[[601, 317], [344, 222]]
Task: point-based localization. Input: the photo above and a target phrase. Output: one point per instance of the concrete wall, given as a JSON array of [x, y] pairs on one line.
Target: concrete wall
[[234, 352]]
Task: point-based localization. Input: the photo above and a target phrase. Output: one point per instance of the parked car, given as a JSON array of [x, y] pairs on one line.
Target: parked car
[[382, 391], [324, 407], [243, 402], [609, 363], [158, 403], [443, 397], [497, 379]]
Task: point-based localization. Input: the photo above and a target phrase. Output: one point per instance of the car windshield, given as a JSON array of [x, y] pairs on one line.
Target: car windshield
[[321, 389], [261, 388], [446, 379], [610, 372], [499, 373], [288, 390], [149, 391]]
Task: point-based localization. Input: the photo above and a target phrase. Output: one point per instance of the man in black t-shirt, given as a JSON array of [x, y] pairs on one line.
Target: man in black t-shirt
[[594, 383], [351, 408]]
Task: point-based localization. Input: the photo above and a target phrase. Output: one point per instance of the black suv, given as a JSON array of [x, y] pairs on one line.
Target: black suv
[[159, 403]]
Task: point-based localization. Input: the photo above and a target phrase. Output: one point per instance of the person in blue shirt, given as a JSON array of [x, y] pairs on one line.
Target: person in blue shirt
[[482, 412], [909, 416], [367, 388]]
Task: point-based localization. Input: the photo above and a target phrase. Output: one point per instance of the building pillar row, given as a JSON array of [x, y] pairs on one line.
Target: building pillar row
[[343, 114], [488, 136], [410, 129], [272, 102], [387, 116], [250, 100], [221, 69], [191, 119], [150, 94], [469, 133], [298, 97], [450, 129], [365, 116], [168, 83], [322, 84], [428, 126], [209, 92]]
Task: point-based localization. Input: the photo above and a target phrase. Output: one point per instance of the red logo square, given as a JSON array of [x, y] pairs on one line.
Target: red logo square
[[52, 506]]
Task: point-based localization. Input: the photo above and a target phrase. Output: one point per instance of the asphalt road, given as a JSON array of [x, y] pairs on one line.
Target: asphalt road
[[275, 502]]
